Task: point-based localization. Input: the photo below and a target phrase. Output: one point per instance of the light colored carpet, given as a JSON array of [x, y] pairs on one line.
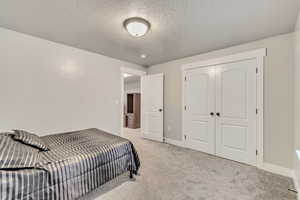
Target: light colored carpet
[[173, 173]]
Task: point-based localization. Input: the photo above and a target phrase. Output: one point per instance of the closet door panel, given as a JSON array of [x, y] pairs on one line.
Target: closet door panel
[[200, 103], [236, 111]]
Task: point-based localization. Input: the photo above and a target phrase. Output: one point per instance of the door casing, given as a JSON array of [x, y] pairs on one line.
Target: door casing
[[259, 55], [128, 71]]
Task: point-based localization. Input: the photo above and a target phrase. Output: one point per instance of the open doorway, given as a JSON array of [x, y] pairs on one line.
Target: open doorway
[[150, 108], [131, 102]]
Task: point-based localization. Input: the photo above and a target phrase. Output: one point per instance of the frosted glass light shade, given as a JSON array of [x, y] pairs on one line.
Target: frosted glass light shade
[[136, 27]]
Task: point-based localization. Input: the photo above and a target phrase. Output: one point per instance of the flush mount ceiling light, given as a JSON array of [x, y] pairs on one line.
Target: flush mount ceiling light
[[136, 26], [143, 56], [125, 75]]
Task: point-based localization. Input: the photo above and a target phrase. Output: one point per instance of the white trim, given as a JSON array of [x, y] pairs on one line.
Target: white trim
[[260, 115], [153, 137], [276, 169], [259, 55], [227, 59], [129, 71], [174, 142], [132, 71], [183, 107]]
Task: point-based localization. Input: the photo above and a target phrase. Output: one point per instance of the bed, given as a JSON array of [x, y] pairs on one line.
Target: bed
[[75, 164]]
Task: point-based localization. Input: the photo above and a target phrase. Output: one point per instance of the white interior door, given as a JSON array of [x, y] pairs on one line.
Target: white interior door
[[236, 111], [152, 121], [199, 126]]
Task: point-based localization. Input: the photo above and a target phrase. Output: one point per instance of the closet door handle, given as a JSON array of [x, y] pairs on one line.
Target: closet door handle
[[218, 114], [212, 114]]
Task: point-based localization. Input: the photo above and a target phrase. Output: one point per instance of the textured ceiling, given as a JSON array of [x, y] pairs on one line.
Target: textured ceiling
[[180, 28]]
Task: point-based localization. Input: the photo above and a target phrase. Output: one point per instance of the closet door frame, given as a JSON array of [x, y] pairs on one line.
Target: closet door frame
[[259, 55]]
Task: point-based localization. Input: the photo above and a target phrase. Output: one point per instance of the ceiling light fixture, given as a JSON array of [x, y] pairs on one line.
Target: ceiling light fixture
[[143, 56], [136, 26], [125, 75]]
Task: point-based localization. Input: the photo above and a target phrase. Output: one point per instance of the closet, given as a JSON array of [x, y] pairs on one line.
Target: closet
[[220, 107], [132, 112]]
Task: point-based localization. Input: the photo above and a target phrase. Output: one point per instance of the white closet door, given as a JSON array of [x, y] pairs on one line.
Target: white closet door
[[236, 111], [199, 123]]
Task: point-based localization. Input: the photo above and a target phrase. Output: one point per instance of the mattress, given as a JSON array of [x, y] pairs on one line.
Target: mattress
[[77, 163]]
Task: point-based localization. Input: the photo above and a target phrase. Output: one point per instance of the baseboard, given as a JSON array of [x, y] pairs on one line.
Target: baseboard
[[153, 137], [174, 142], [276, 169]]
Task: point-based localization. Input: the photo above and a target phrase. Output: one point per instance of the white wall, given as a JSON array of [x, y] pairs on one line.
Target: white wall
[[297, 100], [278, 96], [48, 87]]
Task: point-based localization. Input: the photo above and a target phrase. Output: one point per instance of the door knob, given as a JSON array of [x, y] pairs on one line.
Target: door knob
[[160, 110], [218, 114], [212, 114]]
